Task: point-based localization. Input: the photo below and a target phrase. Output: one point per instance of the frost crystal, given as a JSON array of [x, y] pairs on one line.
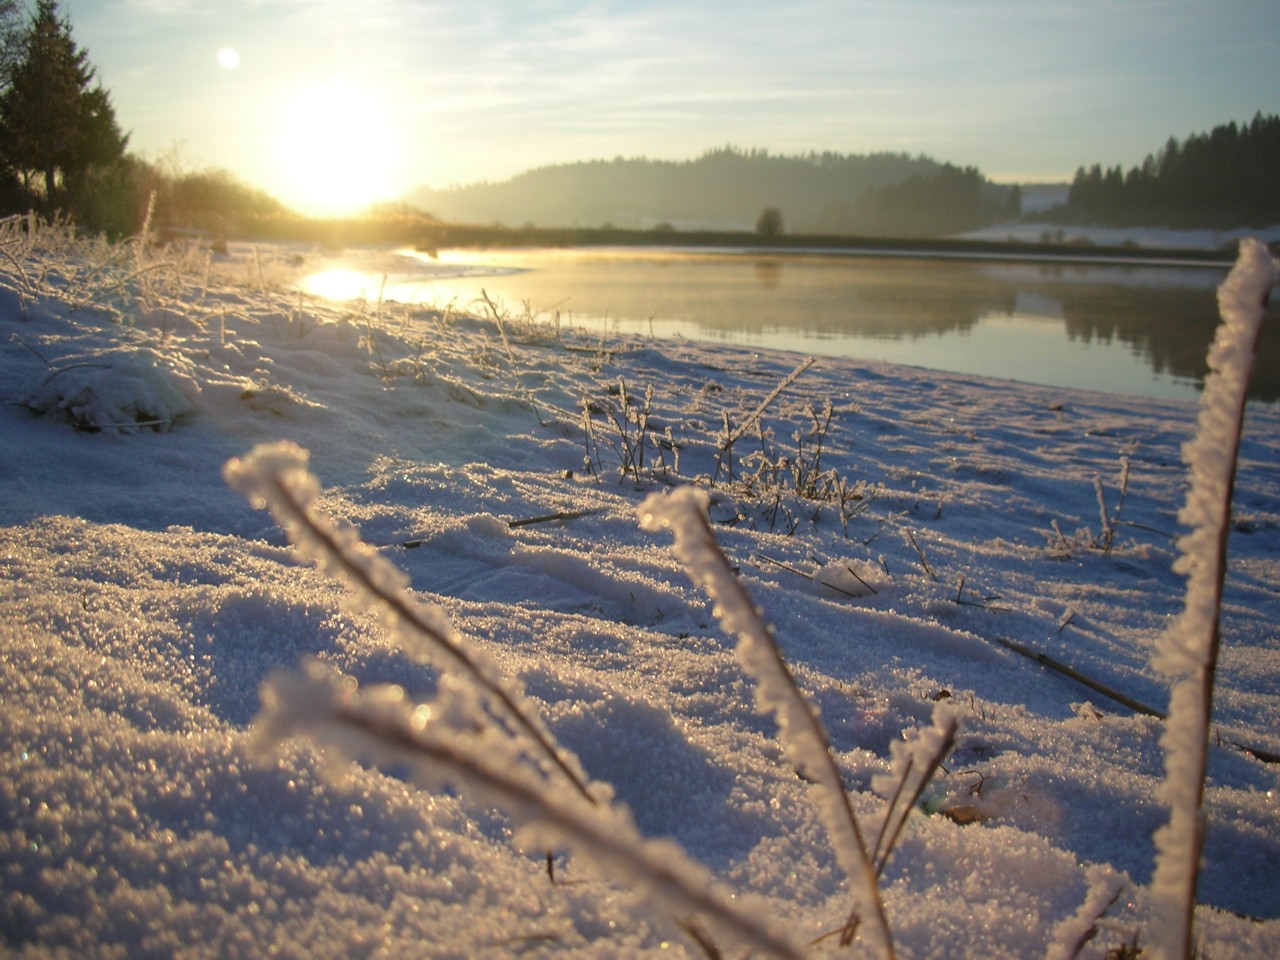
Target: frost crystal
[[382, 725], [451, 748]]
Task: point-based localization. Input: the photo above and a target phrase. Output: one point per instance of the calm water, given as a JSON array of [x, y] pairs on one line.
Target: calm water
[[1137, 329]]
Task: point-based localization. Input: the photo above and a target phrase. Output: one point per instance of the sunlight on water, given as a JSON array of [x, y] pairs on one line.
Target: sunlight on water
[[341, 284], [405, 276], [1118, 328]]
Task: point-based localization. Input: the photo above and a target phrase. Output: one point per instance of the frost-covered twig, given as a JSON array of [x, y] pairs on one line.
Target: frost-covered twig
[[382, 724], [913, 765], [684, 512], [1188, 650], [924, 561], [1072, 934], [1137, 706], [786, 381], [729, 436], [502, 327], [1107, 529], [276, 476]]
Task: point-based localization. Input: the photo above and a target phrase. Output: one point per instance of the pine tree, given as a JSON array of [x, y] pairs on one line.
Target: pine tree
[[12, 37], [57, 122]]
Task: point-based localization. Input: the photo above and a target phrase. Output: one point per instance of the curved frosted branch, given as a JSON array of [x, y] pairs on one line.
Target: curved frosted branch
[[381, 723], [276, 477], [684, 512]]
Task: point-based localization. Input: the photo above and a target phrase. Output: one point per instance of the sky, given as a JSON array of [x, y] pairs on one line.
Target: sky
[[331, 104]]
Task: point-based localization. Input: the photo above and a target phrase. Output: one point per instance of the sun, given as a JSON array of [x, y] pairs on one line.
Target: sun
[[336, 150]]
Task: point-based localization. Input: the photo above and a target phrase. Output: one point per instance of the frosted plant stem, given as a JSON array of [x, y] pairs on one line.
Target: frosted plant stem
[[276, 476], [922, 760], [1188, 651], [684, 512], [1071, 934], [786, 381], [382, 723]]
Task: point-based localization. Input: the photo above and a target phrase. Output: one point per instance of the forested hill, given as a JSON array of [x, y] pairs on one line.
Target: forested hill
[[883, 193]]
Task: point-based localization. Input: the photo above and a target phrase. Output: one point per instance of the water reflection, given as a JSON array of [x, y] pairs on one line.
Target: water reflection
[[1126, 329], [768, 273], [1165, 316], [344, 284]]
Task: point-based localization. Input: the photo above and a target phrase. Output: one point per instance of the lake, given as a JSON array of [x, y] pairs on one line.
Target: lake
[[1121, 327]]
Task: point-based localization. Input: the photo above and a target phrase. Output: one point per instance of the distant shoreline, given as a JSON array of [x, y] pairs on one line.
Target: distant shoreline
[[809, 244], [1008, 252], [430, 237]]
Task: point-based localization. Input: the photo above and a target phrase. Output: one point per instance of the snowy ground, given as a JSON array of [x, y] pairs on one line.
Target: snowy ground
[[144, 603], [1148, 238]]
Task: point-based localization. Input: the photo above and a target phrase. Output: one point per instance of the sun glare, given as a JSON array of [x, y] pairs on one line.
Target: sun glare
[[336, 152], [342, 284], [228, 59]]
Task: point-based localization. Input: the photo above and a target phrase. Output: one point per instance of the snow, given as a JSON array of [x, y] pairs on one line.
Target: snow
[[1147, 238], [147, 606]]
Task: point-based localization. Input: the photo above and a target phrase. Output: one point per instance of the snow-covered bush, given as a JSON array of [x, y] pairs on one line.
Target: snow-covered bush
[[119, 391]]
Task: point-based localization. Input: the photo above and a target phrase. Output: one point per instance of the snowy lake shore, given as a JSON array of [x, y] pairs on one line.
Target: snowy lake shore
[[902, 529]]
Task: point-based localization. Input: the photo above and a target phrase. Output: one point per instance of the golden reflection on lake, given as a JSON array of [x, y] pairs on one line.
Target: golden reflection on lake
[[1138, 329], [343, 284]]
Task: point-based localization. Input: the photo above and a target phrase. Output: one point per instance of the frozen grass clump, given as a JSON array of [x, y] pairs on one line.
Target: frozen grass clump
[[771, 483]]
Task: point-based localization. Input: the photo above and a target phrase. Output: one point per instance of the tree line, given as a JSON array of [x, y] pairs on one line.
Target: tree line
[[62, 151], [948, 201], [1225, 178]]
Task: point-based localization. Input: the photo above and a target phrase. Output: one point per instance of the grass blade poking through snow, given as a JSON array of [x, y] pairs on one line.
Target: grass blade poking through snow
[[1188, 651], [276, 476], [684, 512]]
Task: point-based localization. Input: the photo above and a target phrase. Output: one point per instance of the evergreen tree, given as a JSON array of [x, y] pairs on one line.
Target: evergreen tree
[[12, 38], [1013, 203], [57, 123], [13, 25]]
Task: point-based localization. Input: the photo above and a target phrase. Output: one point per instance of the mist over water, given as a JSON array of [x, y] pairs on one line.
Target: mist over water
[[1121, 328]]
